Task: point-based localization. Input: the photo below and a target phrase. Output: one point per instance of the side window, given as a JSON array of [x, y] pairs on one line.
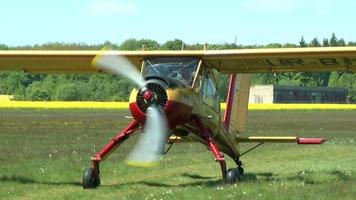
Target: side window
[[210, 94]]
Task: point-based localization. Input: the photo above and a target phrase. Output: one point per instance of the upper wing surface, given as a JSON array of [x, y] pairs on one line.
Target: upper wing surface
[[225, 61]]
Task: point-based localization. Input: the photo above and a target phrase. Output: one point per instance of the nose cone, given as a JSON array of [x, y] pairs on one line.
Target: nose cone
[[149, 96], [177, 104]]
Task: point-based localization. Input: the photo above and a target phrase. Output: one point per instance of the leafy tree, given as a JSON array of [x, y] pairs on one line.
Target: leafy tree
[[130, 44], [68, 92], [3, 47], [273, 45], [351, 44], [302, 42], [333, 40], [315, 42], [341, 42], [133, 44], [175, 44], [196, 46], [14, 82], [111, 46], [289, 45], [37, 92], [325, 42], [223, 85], [262, 79], [222, 46]]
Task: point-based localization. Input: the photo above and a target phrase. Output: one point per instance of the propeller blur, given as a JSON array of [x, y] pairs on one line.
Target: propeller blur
[[119, 65], [151, 145]]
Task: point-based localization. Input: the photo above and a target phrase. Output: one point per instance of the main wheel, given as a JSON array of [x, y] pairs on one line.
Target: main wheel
[[232, 175], [90, 178]]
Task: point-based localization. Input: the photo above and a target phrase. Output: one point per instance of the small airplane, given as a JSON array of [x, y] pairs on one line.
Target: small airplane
[[176, 95]]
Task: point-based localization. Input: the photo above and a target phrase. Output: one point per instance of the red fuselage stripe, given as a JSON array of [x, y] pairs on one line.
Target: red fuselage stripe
[[229, 100]]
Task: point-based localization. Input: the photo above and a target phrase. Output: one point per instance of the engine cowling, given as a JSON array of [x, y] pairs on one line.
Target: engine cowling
[[157, 92], [153, 93]]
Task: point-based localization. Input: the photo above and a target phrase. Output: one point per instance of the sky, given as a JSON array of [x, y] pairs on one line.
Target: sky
[[195, 21]]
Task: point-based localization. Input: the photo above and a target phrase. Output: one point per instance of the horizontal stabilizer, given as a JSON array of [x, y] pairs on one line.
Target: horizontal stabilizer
[[311, 140], [280, 139]]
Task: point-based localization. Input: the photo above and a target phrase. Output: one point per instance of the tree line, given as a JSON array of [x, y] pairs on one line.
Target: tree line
[[106, 87]]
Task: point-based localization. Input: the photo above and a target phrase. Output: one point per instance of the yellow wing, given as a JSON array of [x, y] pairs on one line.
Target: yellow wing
[[75, 61], [57, 61], [225, 61], [283, 60]]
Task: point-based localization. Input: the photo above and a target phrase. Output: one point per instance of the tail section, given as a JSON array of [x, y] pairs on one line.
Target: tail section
[[237, 103]]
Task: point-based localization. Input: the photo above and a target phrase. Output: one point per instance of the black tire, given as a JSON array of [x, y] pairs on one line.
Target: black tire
[[90, 179], [232, 175]]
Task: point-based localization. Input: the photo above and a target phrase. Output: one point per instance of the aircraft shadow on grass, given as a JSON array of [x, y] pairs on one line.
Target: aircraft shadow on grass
[[307, 177], [26, 180], [205, 181]]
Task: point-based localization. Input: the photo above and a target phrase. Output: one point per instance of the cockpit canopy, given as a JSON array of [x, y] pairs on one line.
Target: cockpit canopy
[[175, 70]]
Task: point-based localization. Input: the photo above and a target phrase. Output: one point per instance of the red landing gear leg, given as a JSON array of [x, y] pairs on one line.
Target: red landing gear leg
[[205, 135], [91, 177]]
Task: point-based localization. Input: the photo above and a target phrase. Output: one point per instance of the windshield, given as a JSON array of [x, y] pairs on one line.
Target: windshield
[[182, 70]]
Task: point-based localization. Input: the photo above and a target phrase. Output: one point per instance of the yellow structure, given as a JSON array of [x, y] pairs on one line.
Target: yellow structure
[[125, 105], [7, 97]]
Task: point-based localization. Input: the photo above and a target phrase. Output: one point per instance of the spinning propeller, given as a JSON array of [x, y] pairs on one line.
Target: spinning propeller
[[151, 144]]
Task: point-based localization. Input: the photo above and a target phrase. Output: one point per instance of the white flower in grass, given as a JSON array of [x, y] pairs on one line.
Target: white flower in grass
[[42, 171]]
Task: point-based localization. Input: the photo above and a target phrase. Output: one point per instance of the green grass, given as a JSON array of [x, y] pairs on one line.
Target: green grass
[[43, 154]]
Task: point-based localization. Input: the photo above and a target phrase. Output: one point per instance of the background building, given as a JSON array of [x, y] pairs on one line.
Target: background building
[[294, 94]]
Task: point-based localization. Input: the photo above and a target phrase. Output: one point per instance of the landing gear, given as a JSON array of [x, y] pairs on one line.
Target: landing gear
[[229, 176], [91, 176], [233, 175], [239, 166], [91, 179], [205, 135]]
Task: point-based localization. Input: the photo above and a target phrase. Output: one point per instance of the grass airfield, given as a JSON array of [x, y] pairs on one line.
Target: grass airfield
[[43, 154]]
